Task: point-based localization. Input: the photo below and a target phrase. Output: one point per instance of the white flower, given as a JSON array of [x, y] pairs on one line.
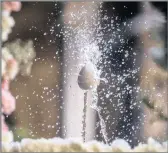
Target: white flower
[[7, 137], [6, 55], [23, 53], [120, 145], [67, 145], [165, 146], [7, 24], [153, 145]]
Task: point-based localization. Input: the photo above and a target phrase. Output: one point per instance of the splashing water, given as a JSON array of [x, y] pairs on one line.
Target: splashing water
[[92, 54], [87, 42], [102, 122]]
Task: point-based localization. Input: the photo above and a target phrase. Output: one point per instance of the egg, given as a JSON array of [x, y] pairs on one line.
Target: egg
[[88, 78]]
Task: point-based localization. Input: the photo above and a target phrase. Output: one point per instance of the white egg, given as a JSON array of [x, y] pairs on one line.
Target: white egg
[[88, 78]]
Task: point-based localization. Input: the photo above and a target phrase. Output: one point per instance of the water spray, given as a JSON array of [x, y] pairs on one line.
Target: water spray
[[87, 80]]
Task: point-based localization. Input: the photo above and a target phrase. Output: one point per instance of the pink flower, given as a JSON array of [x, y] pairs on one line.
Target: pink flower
[[5, 84], [8, 102], [12, 69], [12, 6], [4, 127]]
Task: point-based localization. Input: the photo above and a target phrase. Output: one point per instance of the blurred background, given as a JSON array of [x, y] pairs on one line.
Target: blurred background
[[49, 102]]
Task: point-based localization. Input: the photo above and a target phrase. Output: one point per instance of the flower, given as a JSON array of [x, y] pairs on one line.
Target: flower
[[6, 55], [7, 24], [11, 6], [3, 66], [7, 137], [12, 69], [120, 145], [23, 53], [5, 84], [8, 102]]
